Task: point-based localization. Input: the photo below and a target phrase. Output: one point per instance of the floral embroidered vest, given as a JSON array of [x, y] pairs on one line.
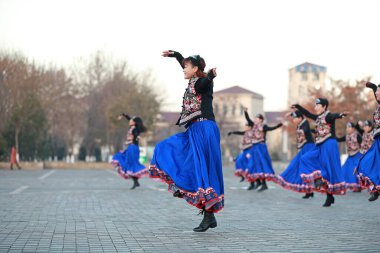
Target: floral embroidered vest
[[247, 139], [323, 128], [191, 105], [352, 143], [258, 133], [376, 121], [366, 142], [301, 138], [130, 136]]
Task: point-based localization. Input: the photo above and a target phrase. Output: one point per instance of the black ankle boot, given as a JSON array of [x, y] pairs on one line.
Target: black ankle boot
[[263, 186], [252, 186], [329, 200], [135, 183], [177, 194], [258, 183], [242, 179], [308, 195], [374, 196], [208, 221]]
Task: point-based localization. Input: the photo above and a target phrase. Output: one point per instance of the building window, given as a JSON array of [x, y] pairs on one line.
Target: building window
[[304, 76], [225, 110], [233, 109], [316, 77]]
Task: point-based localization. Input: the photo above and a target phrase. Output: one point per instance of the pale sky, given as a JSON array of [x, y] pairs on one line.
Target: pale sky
[[252, 43]]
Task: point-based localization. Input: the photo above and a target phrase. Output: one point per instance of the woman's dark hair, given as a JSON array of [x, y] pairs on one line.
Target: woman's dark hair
[[139, 124], [260, 116], [198, 61]]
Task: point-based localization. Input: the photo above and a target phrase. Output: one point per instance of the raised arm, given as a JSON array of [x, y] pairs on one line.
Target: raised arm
[[271, 128], [177, 55], [250, 122], [126, 116], [203, 84], [236, 132], [374, 88], [305, 112], [333, 116]]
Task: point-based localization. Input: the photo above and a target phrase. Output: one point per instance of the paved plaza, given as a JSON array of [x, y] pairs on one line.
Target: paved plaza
[[94, 211]]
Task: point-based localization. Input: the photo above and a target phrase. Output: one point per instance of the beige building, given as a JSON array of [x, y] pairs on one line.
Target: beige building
[[304, 77]]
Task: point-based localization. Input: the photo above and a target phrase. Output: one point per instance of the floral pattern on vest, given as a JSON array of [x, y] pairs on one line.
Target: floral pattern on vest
[[258, 133], [376, 121], [191, 105], [323, 128], [301, 138], [352, 143], [130, 136], [366, 142], [247, 139]]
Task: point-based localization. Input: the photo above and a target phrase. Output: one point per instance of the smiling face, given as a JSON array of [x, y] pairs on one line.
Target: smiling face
[[131, 122], [189, 70], [258, 120], [319, 109]]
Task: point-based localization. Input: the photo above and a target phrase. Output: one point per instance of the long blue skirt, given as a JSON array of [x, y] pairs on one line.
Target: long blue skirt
[[324, 163], [291, 177], [241, 164], [260, 164], [127, 163], [369, 167], [191, 163], [352, 180]]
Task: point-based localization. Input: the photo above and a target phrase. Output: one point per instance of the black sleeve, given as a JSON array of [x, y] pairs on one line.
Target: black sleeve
[[359, 138], [248, 118], [331, 117], [359, 129], [341, 139], [268, 128], [374, 88], [178, 56], [306, 112], [135, 133], [126, 116], [203, 84], [306, 127], [313, 131], [236, 132]]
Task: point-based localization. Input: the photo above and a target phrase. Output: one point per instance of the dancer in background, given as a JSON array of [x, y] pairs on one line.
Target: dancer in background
[[369, 165], [322, 165], [260, 164], [353, 140], [366, 130], [241, 163], [127, 162], [190, 162], [291, 178]]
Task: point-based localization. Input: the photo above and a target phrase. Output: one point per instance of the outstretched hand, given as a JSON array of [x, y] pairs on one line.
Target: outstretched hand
[[167, 53], [119, 117], [213, 71], [345, 113]]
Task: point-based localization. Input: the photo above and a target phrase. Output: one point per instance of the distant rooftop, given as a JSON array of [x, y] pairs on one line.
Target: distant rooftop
[[309, 67], [238, 90]]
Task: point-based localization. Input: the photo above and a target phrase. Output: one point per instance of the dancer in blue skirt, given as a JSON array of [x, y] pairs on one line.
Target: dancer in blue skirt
[[366, 130], [369, 165], [322, 165], [291, 178], [127, 162], [353, 140], [241, 163], [190, 162], [260, 164]]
